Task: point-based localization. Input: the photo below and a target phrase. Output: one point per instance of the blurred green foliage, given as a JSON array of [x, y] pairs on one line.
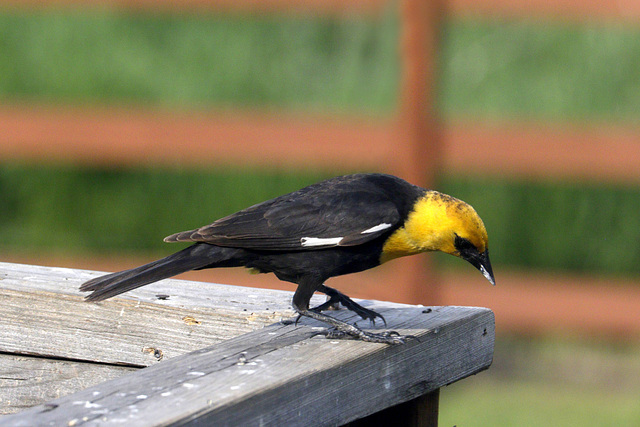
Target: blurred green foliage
[[549, 381], [186, 60], [532, 69], [65, 208], [500, 69], [535, 403], [489, 69]]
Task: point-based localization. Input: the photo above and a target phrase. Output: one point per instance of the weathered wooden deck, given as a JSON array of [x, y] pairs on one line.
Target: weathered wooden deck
[[215, 354]]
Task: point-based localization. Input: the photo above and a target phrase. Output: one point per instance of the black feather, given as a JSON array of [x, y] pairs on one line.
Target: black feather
[[193, 257], [341, 207]]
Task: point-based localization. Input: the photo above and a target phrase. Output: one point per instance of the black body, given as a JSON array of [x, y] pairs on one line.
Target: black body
[[328, 229]]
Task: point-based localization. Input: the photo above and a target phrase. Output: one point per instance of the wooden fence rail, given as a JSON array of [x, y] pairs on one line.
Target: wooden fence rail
[[559, 9], [248, 374], [106, 136]]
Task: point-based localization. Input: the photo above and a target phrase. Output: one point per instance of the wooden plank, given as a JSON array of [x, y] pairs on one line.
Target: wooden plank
[[107, 136], [287, 374], [260, 302], [133, 137], [559, 9], [29, 381], [535, 303], [517, 306], [596, 152], [419, 143], [116, 332], [43, 303]]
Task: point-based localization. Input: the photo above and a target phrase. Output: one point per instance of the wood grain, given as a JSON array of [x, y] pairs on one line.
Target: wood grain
[[210, 358], [29, 381], [43, 303], [287, 374], [42, 314]]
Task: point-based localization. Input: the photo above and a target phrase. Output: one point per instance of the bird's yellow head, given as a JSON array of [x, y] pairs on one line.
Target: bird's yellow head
[[439, 222]]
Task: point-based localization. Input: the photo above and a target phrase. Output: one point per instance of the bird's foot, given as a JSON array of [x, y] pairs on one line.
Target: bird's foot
[[346, 330], [387, 337]]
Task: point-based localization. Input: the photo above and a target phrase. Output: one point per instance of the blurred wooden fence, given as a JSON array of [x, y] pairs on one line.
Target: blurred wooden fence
[[411, 143]]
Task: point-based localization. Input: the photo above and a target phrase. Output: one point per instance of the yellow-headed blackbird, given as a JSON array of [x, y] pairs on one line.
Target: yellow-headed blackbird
[[338, 226]]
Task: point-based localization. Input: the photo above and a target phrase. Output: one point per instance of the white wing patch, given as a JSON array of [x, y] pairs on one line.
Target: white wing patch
[[333, 241], [378, 227], [320, 241]]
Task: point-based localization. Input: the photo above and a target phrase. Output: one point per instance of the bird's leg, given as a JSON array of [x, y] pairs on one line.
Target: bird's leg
[[301, 300], [332, 303], [343, 329], [337, 296], [333, 300]]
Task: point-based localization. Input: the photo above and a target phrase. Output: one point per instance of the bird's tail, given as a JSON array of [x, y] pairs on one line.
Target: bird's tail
[[193, 257]]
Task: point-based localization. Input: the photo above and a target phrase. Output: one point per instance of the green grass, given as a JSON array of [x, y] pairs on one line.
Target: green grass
[[477, 402], [553, 381], [536, 69], [489, 68], [195, 61]]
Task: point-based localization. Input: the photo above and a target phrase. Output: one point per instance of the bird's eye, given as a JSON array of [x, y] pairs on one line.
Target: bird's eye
[[463, 245]]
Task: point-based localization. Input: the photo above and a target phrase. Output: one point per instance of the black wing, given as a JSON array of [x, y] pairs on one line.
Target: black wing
[[343, 211]]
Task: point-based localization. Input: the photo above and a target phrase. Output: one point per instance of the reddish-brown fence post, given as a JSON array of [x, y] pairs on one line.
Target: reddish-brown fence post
[[421, 145]]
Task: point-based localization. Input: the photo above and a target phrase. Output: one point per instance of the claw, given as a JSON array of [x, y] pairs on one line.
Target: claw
[[380, 316]]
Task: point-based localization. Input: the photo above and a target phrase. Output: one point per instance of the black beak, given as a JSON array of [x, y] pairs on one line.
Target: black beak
[[482, 263]]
